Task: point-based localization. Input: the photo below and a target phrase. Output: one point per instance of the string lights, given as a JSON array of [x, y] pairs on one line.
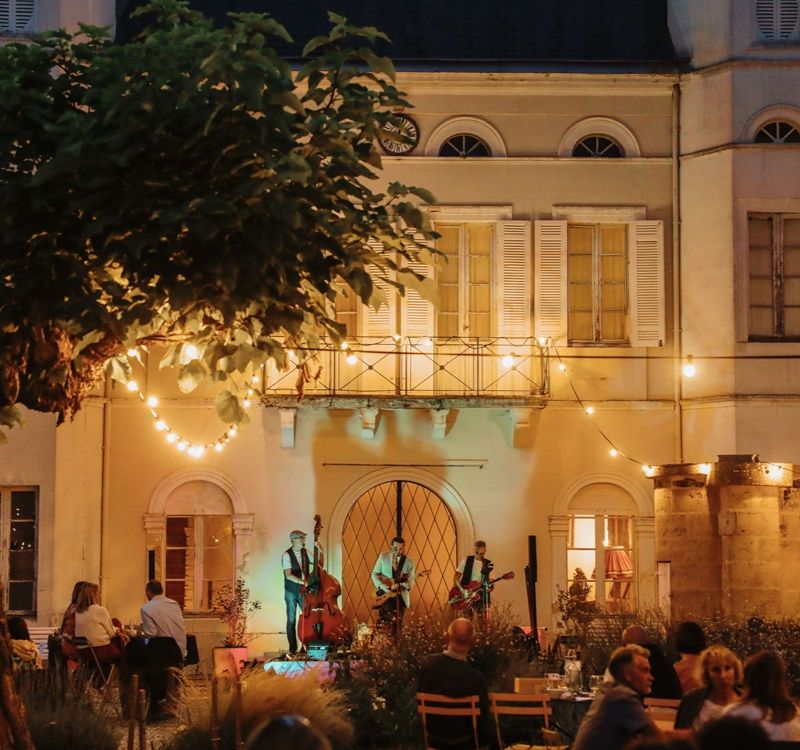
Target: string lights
[[174, 438]]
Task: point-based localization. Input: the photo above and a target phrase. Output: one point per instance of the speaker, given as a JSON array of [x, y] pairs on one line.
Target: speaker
[[532, 564]]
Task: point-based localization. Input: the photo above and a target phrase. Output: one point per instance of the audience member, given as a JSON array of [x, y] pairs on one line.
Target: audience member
[[617, 715], [449, 674], [161, 648], [766, 697], [665, 679], [720, 674], [24, 651], [62, 645], [689, 641], [732, 733], [93, 622], [285, 732]]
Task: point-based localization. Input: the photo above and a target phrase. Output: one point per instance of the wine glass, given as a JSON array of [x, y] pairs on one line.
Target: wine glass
[[595, 683]]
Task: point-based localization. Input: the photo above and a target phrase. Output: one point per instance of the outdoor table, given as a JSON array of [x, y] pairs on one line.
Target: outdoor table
[[568, 713]]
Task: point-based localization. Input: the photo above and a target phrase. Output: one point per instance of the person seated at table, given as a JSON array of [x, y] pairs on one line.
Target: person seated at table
[[61, 646], [449, 674], [164, 634], [720, 674], [24, 652], [690, 642], [93, 622], [732, 733], [617, 714], [766, 698], [665, 679]]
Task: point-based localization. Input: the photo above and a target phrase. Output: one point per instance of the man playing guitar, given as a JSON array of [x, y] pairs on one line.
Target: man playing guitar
[[475, 568], [394, 572]]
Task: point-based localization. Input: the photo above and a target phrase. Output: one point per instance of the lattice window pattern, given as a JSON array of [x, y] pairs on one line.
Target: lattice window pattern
[[429, 530], [777, 131], [464, 145], [598, 146]]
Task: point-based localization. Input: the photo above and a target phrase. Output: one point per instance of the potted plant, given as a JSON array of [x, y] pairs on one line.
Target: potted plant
[[232, 605]]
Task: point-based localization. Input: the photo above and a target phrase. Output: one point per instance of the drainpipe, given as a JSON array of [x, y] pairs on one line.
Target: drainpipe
[[676, 269], [104, 478]]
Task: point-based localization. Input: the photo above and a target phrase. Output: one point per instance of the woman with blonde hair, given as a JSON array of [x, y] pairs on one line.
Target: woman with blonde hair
[[720, 674], [93, 622], [766, 697]]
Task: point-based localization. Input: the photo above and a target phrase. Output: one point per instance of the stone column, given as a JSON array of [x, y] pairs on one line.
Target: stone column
[[644, 546]]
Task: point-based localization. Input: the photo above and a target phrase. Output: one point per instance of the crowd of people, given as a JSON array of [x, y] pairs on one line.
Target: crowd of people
[[721, 698]]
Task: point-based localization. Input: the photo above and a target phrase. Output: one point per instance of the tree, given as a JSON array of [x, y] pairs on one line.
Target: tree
[[189, 187]]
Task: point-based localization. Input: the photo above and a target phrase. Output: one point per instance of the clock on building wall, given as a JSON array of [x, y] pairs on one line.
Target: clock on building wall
[[405, 127]]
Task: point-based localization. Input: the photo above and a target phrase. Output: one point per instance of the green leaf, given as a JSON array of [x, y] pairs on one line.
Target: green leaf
[[228, 408], [191, 375]]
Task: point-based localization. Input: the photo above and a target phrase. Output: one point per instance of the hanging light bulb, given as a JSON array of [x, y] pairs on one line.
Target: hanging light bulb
[[613, 452], [171, 437], [351, 359], [689, 368], [542, 341], [132, 386], [132, 352], [648, 470], [247, 403], [344, 346], [152, 402], [562, 367], [704, 469], [590, 410], [161, 425], [183, 445], [507, 361]]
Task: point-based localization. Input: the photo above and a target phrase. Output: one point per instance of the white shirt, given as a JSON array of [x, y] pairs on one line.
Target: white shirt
[[477, 568], [95, 625], [383, 567], [789, 731], [162, 618]]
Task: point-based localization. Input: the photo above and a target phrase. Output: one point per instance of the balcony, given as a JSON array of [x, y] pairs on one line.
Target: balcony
[[419, 372]]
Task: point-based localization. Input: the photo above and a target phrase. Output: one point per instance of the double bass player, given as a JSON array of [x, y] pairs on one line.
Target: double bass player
[[296, 570]]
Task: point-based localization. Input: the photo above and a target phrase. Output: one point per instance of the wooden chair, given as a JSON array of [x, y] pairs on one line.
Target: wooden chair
[[663, 711], [519, 704], [432, 704]]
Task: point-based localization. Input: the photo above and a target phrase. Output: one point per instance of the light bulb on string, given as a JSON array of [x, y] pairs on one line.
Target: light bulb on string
[[507, 361], [132, 386], [351, 359], [704, 469], [648, 470], [152, 402], [562, 367], [590, 410], [689, 367], [613, 452]]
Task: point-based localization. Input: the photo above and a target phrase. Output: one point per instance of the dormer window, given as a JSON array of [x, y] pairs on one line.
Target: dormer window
[[777, 20], [777, 131], [598, 147], [464, 145]]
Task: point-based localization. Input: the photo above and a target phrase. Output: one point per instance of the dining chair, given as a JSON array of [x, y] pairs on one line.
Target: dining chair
[[106, 677], [433, 704], [519, 704]]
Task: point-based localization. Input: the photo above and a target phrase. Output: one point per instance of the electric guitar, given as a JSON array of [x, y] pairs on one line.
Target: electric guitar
[[381, 596], [461, 600]]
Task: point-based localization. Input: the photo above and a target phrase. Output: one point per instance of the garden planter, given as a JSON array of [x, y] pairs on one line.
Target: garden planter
[[228, 660]]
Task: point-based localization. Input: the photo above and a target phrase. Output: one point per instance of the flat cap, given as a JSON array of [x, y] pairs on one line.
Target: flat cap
[[297, 534]]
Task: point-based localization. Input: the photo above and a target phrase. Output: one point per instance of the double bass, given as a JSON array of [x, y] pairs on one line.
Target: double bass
[[321, 621]]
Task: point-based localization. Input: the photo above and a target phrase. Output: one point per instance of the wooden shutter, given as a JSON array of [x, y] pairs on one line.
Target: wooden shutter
[[16, 16], [550, 280], [513, 258], [777, 19], [383, 321], [646, 277], [416, 312]]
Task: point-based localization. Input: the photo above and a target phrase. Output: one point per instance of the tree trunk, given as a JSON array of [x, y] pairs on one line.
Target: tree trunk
[[14, 731]]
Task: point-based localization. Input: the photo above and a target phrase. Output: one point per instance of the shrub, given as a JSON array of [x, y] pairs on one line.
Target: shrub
[[64, 713]]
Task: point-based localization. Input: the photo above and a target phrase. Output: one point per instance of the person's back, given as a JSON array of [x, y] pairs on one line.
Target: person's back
[[449, 674], [732, 733]]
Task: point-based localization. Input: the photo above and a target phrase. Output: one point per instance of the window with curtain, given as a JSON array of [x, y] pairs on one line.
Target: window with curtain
[[773, 277], [600, 552], [597, 283], [198, 559]]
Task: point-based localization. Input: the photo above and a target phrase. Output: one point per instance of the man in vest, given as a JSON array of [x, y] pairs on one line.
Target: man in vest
[[296, 569], [475, 569], [394, 573]]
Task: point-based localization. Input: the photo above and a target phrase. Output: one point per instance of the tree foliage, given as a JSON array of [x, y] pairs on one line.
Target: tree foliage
[[189, 186]]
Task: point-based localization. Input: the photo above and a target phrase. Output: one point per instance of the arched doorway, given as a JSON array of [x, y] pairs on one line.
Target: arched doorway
[[422, 518]]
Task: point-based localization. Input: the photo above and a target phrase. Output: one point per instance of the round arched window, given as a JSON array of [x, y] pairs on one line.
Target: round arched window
[[777, 131], [598, 146], [463, 145]]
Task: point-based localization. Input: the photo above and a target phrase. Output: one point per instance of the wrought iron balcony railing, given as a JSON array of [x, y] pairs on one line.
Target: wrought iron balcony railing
[[423, 367]]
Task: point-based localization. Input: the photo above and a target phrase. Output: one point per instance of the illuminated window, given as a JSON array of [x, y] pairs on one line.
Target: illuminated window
[[19, 532], [464, 145], [598, 146], [198, 559], [597, 283], [600, 557], [777, 131]]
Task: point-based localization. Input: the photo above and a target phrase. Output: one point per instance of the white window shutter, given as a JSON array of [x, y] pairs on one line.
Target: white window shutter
[[416, 312], [379, 323], [550, 280], [777, 19], [646, 278], [513, 258], [16, 16]]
